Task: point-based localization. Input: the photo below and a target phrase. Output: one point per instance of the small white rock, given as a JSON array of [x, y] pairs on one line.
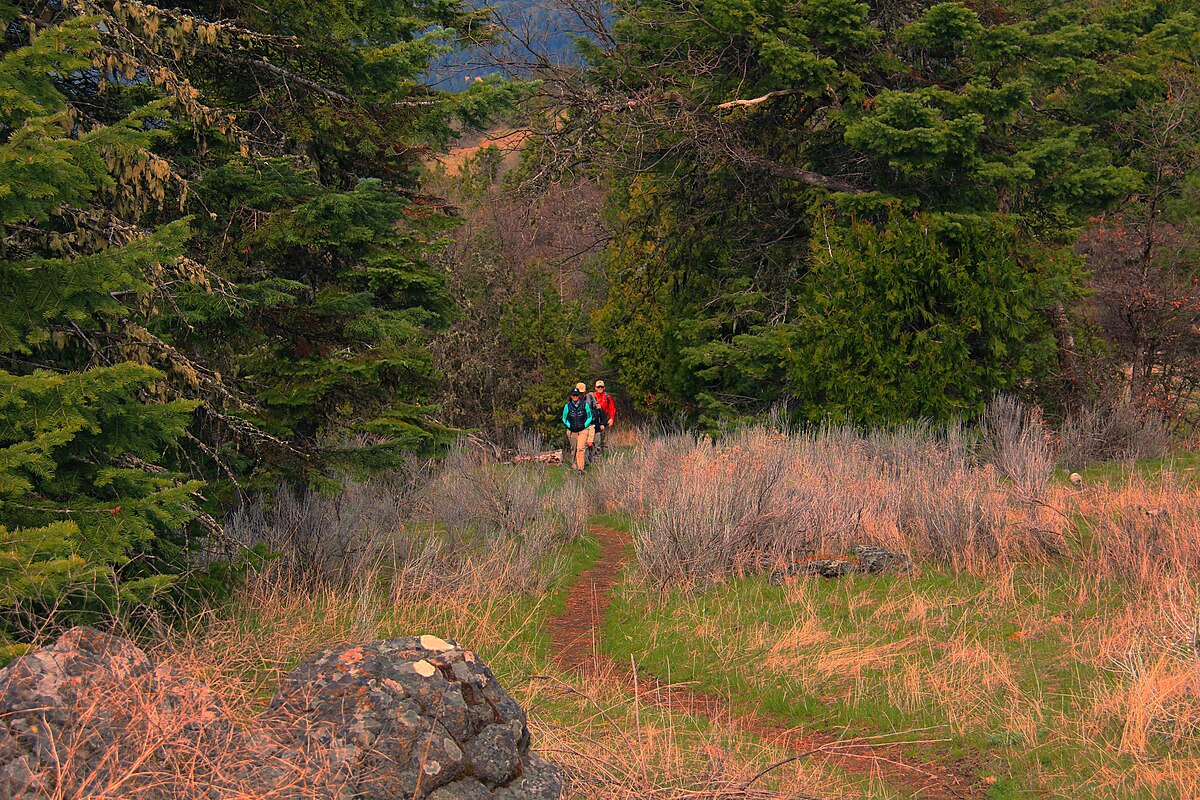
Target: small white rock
[[424, 668]]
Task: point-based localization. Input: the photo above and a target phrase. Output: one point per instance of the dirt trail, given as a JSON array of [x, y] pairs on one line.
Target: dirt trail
[[575, 636]]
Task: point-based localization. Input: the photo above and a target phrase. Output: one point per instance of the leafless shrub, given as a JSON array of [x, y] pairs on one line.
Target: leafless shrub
[[1017, 442], [757, 497], [469, 525], [529, 442], [1112, 430], [573, 505], [474, 493], [334, 536]]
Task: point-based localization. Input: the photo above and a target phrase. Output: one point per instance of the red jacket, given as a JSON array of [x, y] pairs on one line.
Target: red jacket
[[605, 401]]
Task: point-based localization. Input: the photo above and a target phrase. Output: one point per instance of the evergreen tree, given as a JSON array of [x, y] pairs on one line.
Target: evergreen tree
[[325, 227], [300, 315], [212, 215], [921, 318], [87, 507]]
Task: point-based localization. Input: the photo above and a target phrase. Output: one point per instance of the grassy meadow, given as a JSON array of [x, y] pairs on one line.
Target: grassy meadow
[[1046, 643]]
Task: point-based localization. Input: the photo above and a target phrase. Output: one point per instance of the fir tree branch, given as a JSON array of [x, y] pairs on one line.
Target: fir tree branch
[[287, 75]]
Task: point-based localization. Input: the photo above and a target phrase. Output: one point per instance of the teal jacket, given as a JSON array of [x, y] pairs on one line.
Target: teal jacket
[[587, 417]]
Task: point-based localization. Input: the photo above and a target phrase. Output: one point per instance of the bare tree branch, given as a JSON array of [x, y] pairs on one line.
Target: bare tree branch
[[761, 99]]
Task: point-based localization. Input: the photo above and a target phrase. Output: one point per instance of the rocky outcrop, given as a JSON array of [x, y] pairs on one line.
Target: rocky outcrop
[[92, 715], [414, 717], [863, 559], [73, 712]]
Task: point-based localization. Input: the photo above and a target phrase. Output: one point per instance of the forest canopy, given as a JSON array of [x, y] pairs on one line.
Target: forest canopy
[[871, 209]]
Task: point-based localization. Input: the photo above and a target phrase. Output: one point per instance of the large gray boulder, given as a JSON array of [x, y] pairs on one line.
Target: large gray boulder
[[414, 717], [92, 716], [78, 716]]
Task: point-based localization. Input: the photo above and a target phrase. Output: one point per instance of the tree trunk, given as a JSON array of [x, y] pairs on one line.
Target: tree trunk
[[1068, 357]]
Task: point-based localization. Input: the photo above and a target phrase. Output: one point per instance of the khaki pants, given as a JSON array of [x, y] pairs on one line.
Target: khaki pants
[[578, 448]]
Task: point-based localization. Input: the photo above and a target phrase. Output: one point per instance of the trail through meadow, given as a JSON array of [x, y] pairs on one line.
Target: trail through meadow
[[575, 635]]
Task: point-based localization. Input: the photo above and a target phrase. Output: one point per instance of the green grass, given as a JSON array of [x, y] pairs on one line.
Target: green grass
[[1183, 464], [620, 522], [896, 636]]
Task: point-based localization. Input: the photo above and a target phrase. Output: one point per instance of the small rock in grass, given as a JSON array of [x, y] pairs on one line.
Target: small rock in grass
[[864, 559], [872, 559]]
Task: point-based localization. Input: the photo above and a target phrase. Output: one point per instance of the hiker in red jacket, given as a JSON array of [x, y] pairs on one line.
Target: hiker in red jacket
[[604, 414]]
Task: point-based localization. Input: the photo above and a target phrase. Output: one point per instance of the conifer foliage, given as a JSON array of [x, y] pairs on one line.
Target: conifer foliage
[[215, 266], [84, 497], [751, 139]]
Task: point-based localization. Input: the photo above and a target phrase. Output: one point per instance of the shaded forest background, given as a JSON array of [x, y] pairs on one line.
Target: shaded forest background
[[236, 253]]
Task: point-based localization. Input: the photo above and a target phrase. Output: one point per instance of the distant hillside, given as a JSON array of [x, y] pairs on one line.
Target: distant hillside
[[546, 28], [506, 140]]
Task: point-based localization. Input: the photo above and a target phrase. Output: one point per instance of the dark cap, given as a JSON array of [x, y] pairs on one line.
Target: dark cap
[[575, 393]]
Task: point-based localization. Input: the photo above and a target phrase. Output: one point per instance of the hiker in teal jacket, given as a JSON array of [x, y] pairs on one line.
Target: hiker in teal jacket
[[577, 417]]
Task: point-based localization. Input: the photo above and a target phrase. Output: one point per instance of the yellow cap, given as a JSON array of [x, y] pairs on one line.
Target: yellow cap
[[581, 387]]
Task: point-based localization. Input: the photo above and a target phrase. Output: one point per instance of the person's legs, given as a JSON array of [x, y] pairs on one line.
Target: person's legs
[[578, 448], [568, 458], [581, 451], [591, 440]]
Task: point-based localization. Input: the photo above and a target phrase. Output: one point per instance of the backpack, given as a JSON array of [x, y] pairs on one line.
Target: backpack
[[599, 415]]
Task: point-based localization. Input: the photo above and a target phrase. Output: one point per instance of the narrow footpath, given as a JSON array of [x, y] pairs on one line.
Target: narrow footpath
[[575, 636]]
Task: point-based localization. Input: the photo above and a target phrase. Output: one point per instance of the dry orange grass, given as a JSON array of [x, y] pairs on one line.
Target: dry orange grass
[[1139, 529], [608, 745], [1094, 657], [168, 735]]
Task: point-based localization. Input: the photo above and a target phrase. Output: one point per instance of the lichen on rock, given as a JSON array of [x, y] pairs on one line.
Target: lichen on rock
[[411, 716]]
